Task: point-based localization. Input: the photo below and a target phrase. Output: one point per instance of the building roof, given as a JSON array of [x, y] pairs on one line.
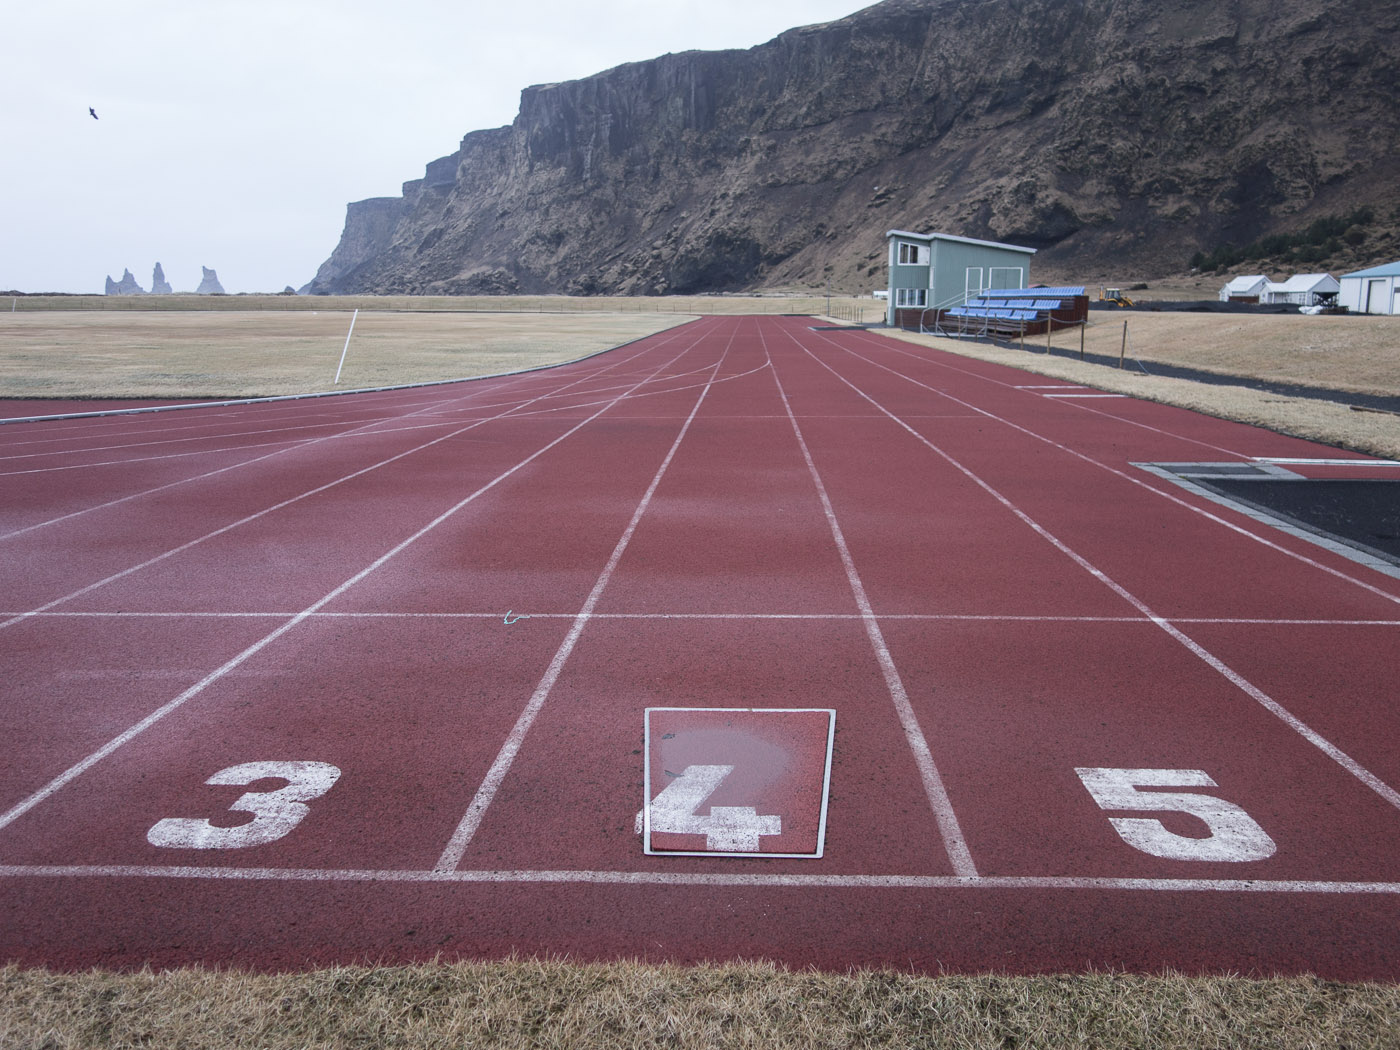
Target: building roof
[[1245, 282], [1387, 270], [1303, 282], [960, 240]]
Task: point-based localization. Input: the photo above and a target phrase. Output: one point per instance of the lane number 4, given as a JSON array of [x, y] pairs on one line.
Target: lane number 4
[[274, 812], [1234, 834], [727, 829]]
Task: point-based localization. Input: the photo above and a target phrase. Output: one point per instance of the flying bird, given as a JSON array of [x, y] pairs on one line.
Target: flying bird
[[93, 112]]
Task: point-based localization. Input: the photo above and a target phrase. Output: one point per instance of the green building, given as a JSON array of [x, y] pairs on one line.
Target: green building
[[939, 270]]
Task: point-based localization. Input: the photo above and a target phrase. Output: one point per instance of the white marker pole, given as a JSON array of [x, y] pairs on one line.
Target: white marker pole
[[347, 345]]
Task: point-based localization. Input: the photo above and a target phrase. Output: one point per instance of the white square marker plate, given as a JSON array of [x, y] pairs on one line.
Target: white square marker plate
[[736, 782]]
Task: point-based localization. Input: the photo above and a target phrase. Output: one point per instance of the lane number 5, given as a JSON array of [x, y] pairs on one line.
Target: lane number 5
[[274, 812], [1234, 834]]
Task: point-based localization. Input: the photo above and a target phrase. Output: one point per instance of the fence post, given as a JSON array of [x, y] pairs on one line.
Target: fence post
[[1124, 348]]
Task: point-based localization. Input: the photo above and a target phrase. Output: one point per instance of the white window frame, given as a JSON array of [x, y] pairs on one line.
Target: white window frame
[[911, 254], [911, 297]]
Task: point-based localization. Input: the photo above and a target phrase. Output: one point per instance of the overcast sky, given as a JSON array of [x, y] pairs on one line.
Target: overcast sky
[[232, 135]]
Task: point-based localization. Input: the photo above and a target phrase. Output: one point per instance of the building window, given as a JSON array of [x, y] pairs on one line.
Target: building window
[[912, 254], [911, 297]]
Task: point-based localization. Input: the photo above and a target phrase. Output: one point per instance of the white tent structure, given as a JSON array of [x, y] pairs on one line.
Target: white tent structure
[[1305, 289], [1373, 291], [1245, 289]]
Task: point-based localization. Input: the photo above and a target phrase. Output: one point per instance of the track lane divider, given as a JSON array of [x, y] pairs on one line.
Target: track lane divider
[[275, 507], [1171, 497], [466, 829], [358, 430], [1312, 736], [954, 842], [78, 769]]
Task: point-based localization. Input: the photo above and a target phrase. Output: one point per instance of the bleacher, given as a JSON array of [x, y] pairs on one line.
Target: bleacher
[[1011, 313]]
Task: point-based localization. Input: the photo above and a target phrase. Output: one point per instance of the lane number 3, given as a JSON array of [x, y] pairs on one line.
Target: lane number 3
[[274, 812], [1234, 834]]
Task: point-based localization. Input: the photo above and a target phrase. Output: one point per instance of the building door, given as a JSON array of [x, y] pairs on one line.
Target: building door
[[973, 285], [1374, 301]]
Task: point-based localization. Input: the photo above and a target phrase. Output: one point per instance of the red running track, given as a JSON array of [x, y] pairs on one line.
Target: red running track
[[1084, 717]]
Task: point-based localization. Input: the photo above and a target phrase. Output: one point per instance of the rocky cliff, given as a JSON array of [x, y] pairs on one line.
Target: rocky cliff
[[1116, 136]]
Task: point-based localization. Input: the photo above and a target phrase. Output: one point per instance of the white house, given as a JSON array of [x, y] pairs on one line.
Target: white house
[[1304, 289], [1373, 291], [1245, 289]]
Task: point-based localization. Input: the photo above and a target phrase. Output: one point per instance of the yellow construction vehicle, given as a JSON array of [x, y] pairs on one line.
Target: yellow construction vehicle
[[1115, 296]]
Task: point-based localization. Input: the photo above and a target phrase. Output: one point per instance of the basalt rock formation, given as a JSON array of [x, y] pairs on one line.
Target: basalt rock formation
[[1113, 135], [126, 286], [159, 285], [210, 284]]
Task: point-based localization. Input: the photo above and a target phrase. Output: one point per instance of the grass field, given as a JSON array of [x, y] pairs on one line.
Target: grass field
[[249, 354], [101, 347]]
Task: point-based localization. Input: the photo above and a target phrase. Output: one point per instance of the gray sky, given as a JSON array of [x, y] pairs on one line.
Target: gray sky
[[232, 135]]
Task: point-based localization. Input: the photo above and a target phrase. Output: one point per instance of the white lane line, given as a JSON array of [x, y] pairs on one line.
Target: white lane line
[[953, 841], [892, 345], [1086, 396], [184, 439], [1169, 496], [505, 758], [1355, 768], [495, 614], [267, 510], [318, 395], [362, 429], [75, 771], [1198, 484], [672, 878]]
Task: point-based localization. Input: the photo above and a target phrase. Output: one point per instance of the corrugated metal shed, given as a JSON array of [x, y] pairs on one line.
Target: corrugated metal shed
[[1373, 291]]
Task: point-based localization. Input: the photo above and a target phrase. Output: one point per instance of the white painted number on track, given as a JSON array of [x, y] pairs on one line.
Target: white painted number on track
[[274, 812], [1234, 834], [728, 829]]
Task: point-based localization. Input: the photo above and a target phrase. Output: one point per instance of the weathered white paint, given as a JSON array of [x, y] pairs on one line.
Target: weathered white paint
[[275, 813], [1234, 835]]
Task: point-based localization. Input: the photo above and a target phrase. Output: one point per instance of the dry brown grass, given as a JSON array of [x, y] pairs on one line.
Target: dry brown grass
[[525, 1003], [248, 354], [1360, 354]]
